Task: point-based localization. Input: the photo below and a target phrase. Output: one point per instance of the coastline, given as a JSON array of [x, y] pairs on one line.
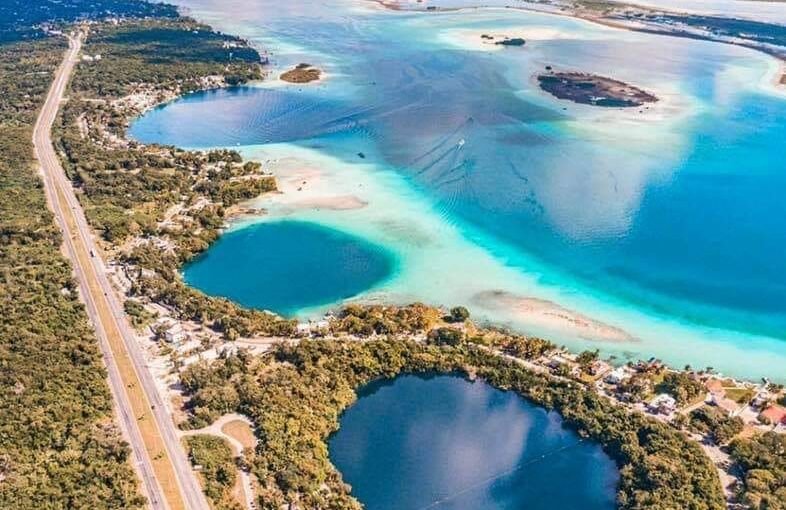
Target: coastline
[[311, 210], [535, 309], [778, 84], [309, 192]]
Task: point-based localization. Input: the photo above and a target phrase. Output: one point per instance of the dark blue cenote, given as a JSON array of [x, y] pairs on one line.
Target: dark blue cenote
[[288, 265], [442, 442]]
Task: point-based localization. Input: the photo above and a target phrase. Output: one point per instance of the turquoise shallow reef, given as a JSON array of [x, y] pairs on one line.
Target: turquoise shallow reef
[[642, 231]]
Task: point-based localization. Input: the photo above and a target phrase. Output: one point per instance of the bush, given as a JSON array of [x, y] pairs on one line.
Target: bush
[[458, 314], [218, 469], [683, 387], [763, 462], [446, 336]]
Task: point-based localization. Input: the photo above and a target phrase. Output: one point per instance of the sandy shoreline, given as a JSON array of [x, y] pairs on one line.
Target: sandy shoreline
[[305, 188], [546, 314], [778, 84]]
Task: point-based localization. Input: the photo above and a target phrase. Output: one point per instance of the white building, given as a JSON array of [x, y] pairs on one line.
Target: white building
[[175, 334], [616, 376], [170, 331], [305, 328], [663, 404]]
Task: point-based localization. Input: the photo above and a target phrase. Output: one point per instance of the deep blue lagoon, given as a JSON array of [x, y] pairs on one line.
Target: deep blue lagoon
[[288, 265], [445, 443]]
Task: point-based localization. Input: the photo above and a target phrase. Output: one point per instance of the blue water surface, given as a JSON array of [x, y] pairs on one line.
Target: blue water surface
[[707, 244], [679, 217], [286, 266], [418, 443]]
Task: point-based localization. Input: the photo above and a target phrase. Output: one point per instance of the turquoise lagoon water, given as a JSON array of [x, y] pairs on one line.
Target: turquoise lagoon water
[[288, 265], [446, 443], [665, 222]]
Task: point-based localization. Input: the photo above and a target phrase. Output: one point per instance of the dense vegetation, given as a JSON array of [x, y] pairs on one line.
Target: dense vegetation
[[157, 206], [711, 420], [21, 19], [58, 446], [163, 52], [684, 387], [296, 395], [763, 462], [213, 457]]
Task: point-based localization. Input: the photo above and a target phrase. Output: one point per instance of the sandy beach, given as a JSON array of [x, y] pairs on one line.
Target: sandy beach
[[545, 314], [336, 203]]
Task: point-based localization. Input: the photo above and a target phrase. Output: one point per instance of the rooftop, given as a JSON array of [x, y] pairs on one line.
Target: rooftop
[[775, 414]]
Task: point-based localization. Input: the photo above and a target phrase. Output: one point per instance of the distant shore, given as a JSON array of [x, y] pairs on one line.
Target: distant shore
[[633, 24]]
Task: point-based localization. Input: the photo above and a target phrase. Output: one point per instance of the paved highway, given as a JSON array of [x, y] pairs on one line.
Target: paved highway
[[166, 474]]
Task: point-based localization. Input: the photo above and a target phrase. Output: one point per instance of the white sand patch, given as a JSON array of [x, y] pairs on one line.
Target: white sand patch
[[472, 38], [551, 316]]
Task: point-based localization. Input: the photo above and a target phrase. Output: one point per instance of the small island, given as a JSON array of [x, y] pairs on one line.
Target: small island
[[504, 41], [594, 90], [302, 73]]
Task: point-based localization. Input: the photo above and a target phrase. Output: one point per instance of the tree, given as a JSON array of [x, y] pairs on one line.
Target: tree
[[446, 336], [683, 387], [458, 314], [587, 358]]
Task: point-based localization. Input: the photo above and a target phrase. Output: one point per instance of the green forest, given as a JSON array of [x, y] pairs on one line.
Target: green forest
[[58, 445], [762, 460], [22, 19], [126, 189], [59, 448], [295, 397]]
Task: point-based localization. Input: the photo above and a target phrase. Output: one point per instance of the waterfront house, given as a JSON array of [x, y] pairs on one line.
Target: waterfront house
[[761, 399], [715, 387], [727, 405], [773, 415], [306, 328]]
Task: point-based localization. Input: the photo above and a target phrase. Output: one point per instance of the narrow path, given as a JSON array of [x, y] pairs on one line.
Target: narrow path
[[167, 478], [216, 429]]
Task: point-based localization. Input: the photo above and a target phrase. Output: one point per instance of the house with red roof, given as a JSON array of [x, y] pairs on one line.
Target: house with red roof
[[775, 415]]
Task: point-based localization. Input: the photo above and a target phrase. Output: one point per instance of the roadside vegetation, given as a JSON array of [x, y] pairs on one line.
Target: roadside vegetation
[[59, 448], [212, 457], [157, 207]]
